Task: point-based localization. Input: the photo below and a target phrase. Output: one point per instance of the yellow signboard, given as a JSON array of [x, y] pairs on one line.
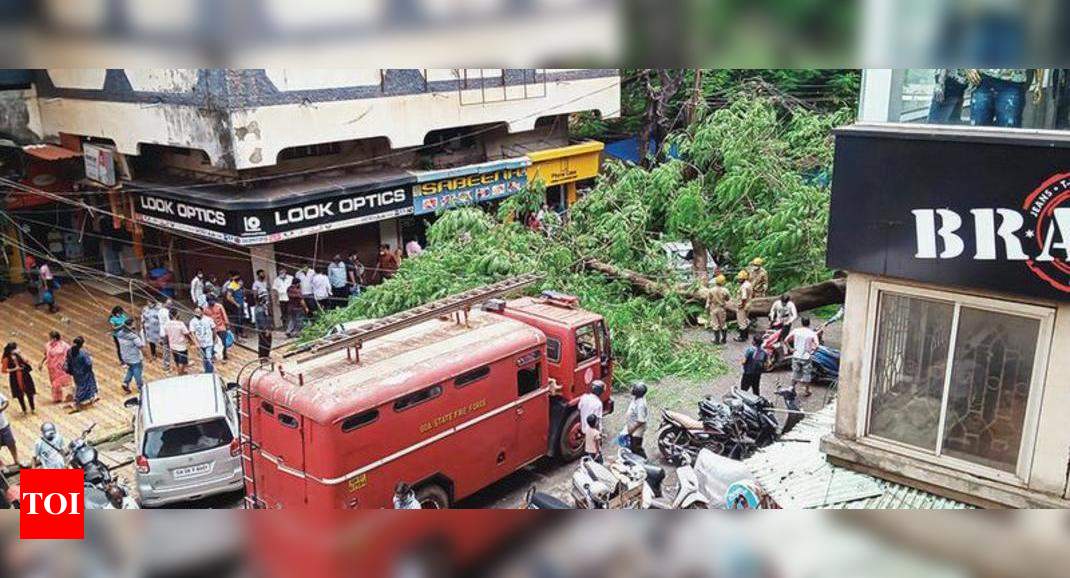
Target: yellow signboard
[[566, 164]]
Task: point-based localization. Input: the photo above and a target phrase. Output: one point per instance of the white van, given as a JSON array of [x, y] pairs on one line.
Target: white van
[[188, 441]]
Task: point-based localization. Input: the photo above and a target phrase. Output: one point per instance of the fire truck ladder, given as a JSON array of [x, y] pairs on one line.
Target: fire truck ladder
[[353, 339]]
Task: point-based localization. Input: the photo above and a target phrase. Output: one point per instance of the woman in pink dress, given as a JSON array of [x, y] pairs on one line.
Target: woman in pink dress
[[55, 356]]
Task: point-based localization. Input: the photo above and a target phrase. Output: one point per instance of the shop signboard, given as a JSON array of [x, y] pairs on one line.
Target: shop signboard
[[954, 207], [256, 222], [99, 163], [440, 190], [566, 164]]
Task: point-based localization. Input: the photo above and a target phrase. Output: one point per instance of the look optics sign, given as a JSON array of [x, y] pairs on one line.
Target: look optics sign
[[256, 222], [986, 211]]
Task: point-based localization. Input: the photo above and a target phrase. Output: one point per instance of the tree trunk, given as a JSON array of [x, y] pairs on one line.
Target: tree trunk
[[699, 263], [806, 298]]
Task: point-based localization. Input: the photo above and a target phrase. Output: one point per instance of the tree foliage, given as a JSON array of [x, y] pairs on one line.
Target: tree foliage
[[748, 179]]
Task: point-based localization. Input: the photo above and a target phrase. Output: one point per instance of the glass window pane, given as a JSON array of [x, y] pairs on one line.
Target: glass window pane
[[990, 380], [910, 365]]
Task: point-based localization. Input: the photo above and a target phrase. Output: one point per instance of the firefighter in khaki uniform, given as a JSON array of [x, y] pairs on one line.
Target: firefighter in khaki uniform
[[716, 306], [759, 277], [746, 293]]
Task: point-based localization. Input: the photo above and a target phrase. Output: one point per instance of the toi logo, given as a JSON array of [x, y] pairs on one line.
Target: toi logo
[[52, 505]]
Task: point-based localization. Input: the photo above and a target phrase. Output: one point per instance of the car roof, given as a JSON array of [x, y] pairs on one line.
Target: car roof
[[330, 387], [181, 399]]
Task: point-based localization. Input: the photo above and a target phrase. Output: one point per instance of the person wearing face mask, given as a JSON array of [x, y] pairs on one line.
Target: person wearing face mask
[[281, 288], [196, 289], [50, 452]]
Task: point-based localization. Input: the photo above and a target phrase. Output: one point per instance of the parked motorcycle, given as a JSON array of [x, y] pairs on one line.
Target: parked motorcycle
[[97, 477], [536, 500], [681, 435], [733, 427], [10, 495]]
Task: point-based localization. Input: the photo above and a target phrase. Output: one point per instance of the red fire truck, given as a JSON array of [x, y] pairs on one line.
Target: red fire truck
[[449, 398]]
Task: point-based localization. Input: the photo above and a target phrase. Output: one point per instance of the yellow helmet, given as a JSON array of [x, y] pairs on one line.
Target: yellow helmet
[[743, 276], [758, 262], [720, 280]]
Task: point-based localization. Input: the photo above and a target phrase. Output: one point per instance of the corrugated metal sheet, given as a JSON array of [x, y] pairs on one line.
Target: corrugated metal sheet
[[797, 475]]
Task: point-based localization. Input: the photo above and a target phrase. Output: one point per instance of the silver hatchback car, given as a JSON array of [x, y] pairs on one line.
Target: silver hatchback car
[[187, 435]]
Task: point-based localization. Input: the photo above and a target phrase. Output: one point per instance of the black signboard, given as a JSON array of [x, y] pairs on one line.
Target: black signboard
[[955, 207], [266, 218]]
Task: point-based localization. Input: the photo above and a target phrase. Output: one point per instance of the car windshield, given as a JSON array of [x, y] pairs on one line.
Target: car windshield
[[182, 439]]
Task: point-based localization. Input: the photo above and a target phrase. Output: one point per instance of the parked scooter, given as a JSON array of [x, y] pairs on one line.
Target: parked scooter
[[617, 486], [826, 365], [687, 497], [97, 477]]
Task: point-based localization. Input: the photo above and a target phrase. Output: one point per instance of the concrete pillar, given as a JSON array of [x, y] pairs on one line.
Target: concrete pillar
[[263, 257]]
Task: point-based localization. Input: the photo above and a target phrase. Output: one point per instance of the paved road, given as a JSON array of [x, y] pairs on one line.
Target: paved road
[[554, 477]]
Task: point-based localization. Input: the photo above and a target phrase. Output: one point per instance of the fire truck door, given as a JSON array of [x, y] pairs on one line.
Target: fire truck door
[[532, 415], [282, 482], [588, 360]]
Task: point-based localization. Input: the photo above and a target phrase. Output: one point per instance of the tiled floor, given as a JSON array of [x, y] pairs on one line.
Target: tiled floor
[[82, 312]]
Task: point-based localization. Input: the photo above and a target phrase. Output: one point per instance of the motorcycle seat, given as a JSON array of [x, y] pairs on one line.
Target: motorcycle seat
[[541, 501], [685, 421]]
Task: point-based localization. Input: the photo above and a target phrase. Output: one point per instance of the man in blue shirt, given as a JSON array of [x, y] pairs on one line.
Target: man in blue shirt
[[336, 274]]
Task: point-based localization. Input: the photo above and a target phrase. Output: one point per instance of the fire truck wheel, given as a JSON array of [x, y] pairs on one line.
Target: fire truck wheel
[[570, 442], [433, 497]]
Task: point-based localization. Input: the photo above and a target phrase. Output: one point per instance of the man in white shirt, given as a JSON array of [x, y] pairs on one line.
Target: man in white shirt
[[804, 342], [591, 403], [783, 314], [321, 290], [196, 290], [203, 329], [336, 273], [304, 276], [280, 286]]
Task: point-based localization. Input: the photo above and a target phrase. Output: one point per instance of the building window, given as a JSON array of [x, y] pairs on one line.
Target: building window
[[958, 377], [1037, 98]]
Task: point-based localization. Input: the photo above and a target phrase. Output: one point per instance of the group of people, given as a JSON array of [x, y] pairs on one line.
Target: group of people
[[67, 364], [753, 283], [802, 341]]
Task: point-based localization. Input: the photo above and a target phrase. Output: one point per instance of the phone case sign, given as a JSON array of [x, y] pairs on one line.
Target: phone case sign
[[256, 225], [973, 214]]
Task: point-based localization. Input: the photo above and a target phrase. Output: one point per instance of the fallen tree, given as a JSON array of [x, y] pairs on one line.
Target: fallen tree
[[806, 298]]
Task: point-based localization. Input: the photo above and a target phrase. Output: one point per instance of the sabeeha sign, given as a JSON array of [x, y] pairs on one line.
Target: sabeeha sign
[[986, 211], [51, 505]]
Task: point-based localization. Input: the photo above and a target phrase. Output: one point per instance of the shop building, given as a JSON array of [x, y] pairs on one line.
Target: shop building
[[242, 169], [954, 373]]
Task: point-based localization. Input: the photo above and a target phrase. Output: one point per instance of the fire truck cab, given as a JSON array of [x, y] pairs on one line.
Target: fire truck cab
[[446, 404]]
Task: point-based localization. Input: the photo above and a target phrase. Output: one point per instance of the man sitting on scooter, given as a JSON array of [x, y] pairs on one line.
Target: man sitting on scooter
[[782, 314]]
